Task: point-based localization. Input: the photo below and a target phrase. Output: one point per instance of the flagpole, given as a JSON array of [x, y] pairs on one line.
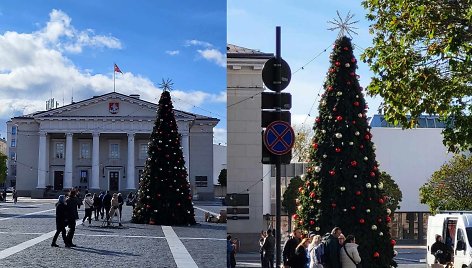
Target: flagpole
[[114, 77]]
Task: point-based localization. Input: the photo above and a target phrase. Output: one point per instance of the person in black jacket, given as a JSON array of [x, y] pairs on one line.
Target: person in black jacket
[[72, 215], [290, 246], [120, 207], [97, 206], [301, 258], [106, 202], [61, 221], [332, 249], [441, 251]]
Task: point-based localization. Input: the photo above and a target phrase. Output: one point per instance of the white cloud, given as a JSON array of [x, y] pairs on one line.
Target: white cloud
[[197, 43], [59, 33], [172, 52], [214, 55], [34, 67], [220, 135]]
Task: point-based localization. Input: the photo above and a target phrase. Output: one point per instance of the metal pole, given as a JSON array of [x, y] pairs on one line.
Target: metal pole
[[278, 79]]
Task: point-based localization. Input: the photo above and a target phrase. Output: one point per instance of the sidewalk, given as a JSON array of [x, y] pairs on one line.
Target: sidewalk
[[252, 259]]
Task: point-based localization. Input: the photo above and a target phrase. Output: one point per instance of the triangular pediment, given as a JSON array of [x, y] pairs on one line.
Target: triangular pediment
[[110, 105]]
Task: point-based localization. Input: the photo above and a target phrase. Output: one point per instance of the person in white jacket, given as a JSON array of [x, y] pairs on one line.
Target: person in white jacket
[[349, 254], [88, 204]]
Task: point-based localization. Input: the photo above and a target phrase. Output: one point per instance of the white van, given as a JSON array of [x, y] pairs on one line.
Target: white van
[[455, 227]]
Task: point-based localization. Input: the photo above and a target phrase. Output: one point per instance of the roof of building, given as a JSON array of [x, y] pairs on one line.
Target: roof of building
[[233, 51], [112, 95], [423, 121]]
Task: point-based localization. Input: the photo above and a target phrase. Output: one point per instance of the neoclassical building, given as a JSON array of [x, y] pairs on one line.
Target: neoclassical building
[[101, 144]]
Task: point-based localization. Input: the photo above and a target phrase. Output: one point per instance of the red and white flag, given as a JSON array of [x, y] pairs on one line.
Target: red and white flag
[[117, 69]]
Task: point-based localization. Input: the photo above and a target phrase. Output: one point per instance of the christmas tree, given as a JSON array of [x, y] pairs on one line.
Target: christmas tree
[[341, 186], [164, 196]]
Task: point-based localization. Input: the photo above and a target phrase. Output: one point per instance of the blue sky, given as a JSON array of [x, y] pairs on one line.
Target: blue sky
[[305, 36], [67, 48]]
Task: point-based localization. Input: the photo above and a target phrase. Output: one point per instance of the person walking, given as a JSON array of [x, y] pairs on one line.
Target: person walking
[[15, 196], [349, 254], [114, 209], [73, 204], [106, 202], [261, 242], [61, 218], [88, 205], [301, 258], [97, 206], [314, 250], [332, 249], [120, 206], [102, 208], [290, 245], [268, 250]]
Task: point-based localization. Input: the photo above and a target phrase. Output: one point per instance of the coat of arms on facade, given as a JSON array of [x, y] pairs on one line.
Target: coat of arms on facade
[[113, 107]]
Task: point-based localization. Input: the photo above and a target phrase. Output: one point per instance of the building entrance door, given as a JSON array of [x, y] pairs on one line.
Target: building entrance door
[[58, 180], [113, 177]]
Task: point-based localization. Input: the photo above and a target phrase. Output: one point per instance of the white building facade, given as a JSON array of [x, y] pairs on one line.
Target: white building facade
[[101, 144]]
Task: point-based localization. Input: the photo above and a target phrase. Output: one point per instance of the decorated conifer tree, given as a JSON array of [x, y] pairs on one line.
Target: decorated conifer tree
[[341, 185], [164, 196]]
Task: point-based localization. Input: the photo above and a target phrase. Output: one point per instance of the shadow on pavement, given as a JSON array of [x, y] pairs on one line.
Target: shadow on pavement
[[103, 252]]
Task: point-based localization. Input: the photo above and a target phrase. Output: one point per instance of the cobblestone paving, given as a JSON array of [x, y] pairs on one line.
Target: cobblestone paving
[[133, 245]]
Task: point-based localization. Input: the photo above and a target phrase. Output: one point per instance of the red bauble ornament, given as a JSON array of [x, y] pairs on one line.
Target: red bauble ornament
[[300, 189], [315, 145], [375, 168], [317, 120], [361, 221], [339, 118], [376, 254], [388, 219], [300, 222], [367, 137], [337, 63], [312, 194], [332, 172], [358, 193], [338, 150], [361, 146], [346, 48], [333, 205], [312, 222], [353, 208], [330, 88], [295, 217], [353, 122], [393, 242], [353, 60], [381, 201], [354, 163], [353, 74], [356, 103], [372, 174]]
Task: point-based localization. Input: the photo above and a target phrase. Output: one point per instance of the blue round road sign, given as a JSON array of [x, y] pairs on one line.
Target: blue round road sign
[[279, 137]]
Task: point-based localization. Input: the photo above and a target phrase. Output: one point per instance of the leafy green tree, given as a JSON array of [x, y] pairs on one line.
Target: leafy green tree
[[449, 188], [422, 63], [290, 195], [222, 177], [3, 168], [301, 147], [342, 186], [391, 190]]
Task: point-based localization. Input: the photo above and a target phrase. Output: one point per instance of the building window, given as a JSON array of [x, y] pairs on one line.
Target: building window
[[201, 181], [114, 151], [60, 150], [83, 176], [13, 156], [12, 170], [85, 150], [142, 151], [13, 130], [13, 143]]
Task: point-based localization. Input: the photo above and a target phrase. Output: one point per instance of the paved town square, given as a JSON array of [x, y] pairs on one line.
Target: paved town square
[[27, 228]]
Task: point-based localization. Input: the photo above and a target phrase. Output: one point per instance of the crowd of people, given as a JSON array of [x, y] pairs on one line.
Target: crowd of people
[[100, 205], [333, 250], [14, 195]]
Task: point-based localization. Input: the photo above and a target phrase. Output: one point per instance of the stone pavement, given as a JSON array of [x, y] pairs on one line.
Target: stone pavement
[[26, 231]]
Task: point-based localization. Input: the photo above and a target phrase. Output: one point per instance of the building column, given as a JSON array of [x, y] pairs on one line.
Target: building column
[[130, 180], [68, 168], [95, 161], [185, 150], [42, 161]]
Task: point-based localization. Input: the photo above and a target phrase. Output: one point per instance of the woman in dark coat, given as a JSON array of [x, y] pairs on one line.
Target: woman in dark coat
[[61, 217], [72, 215], [302, 259]]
